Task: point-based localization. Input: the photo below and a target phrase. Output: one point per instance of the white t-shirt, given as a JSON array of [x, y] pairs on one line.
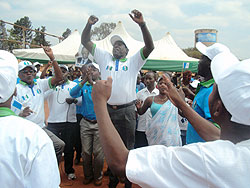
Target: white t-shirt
[[124, 74], [34, 98], [144, 119], [211, 164], [27, 155], [59, 110]]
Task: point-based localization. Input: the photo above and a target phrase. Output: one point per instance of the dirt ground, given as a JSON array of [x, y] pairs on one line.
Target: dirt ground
[[77, 183]]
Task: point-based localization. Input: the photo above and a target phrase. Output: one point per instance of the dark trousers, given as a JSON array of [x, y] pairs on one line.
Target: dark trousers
[[140, 139], [65, 131], [78, 144], [183, 137], [124, 120]]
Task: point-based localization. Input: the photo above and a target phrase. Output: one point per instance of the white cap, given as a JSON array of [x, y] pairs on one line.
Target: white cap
[[232, 78], [64, 66], [8, 75], [23, 64], [36, 63], [116, 38], [96, 66], [212, 50], [194, 83]]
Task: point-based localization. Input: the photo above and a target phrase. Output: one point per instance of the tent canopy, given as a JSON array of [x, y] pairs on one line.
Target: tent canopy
[[167, 56], [64, 52]]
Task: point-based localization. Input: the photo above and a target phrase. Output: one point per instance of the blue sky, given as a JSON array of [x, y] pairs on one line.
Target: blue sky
[[180, 18]]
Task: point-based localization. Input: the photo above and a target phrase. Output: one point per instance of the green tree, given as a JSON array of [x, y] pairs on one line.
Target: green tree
[[3, 37], [99, 33], [66, 33], [192, 52], [39, 38], [21, 34]]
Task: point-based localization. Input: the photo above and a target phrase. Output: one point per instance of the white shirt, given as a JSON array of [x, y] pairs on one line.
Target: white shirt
[[144, 119], [27, 155], [34, 98], [211, 164], [59, 110], [124, 75]]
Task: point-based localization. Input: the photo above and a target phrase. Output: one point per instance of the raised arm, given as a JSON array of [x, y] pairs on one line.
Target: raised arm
[[203, 127], [86, 42], [115, 152], [149, 45], [58, 73]]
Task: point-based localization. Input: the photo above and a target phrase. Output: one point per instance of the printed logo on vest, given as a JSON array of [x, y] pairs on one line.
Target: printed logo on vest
[[39, 91], [125, 68], [109, 68]]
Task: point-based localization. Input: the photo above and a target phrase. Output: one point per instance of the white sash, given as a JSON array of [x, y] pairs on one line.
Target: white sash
[[164, 127]]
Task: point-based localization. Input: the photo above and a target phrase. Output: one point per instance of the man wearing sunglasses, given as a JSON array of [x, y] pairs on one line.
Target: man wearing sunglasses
[[30, 93]]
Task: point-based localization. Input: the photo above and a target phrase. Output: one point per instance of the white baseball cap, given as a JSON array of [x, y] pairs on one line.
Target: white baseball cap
[[64, 66], [8, 75], [37, 63], [116, 38], [23, 64], [212, 50], [233, 80]]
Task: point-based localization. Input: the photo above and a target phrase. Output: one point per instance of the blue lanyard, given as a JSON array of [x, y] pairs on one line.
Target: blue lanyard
[[116, 64]]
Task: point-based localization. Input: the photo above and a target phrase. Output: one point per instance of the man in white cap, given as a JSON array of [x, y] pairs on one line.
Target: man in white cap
[[30, 94], [92, 154], [211, 130], [221, 163], [62, 118], [27, 156], [121, 104]]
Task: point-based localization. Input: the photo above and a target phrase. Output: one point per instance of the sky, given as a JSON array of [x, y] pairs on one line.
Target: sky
[[181, 18]]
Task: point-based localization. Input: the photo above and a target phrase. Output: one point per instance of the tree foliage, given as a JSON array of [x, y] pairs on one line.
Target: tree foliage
[[99, 33], [39, 38], [20, 34], [3, 35], [192, 52], [66, 33]]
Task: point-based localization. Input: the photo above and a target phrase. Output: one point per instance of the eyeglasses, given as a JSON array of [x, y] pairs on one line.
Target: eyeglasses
[[28, 71]]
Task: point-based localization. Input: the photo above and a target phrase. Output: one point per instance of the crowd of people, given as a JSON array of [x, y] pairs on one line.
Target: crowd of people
[[154, 129]]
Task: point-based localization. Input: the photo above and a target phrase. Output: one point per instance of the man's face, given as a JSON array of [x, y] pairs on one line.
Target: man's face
[[65, 73], [119, 50], [27, 75], [38, 67], [85, 53], [149, 79]]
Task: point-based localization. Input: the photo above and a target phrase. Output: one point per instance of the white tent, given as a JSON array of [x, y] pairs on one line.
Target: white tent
[[64, 52], [166, 55]]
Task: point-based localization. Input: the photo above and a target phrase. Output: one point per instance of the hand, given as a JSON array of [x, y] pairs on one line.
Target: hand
[[92, 20], [138, 18], [101, 91], [71, 100], [49, 52], [138, 103], [89, 74], [26, 112], [173, 94]]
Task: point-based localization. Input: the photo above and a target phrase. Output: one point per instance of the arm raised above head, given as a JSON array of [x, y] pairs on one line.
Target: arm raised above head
[[85, 39], [149, 45]]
